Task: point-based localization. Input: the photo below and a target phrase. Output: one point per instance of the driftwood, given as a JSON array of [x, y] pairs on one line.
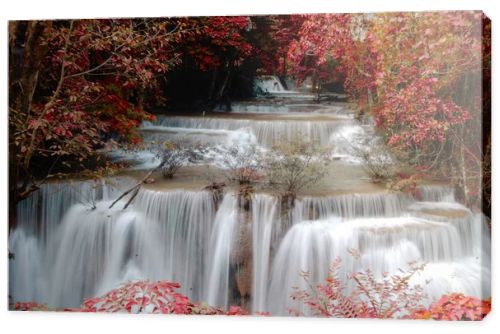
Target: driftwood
[[135, 189]]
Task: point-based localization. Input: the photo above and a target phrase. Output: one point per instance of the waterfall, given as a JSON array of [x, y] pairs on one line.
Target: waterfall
[[350, 206], [25, 268], [163, 235], [267, 132], [94, 251], [43, 210], [265, 227], [68, 245], [296, 110], [384, 245], [219, 253], [436, 193], [268, 84]]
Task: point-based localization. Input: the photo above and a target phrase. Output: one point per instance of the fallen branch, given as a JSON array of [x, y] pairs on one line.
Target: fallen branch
[[135, 189]]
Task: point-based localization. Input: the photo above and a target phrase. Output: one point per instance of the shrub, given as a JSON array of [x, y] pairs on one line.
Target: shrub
[[455, 306], [152, 297], [174, 155], [29, 306], [296, 164], [244, 164], [386, 298], [376, 161], [141, 297]]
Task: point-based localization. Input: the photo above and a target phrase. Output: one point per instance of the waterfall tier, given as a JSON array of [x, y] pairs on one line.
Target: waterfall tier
[[75, 247]]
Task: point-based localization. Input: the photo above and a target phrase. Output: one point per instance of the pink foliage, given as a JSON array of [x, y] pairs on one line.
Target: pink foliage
[[141, 297], [455, 306], [388, 297], [152, 297]]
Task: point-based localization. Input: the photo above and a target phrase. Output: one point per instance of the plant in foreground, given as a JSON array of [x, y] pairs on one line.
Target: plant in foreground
[[140, 297], [455, 306], [391, 297], [388, 297]]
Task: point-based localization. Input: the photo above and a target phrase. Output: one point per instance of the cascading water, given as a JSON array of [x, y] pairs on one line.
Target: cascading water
[[268, 84], [350, 206], [222, 240], [267, 132], [384, 245], [69, 245], [163, 235], [266, 228], [39, 219]]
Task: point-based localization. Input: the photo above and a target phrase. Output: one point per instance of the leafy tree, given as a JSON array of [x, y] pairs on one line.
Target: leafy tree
[[89, 69], [76, 85], [420, 75]]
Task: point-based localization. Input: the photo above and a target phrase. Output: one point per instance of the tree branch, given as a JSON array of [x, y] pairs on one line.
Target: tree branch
[[135, 189]]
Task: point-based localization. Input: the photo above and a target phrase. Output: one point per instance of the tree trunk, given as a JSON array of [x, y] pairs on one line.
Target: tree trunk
[[224, 84], [213, 82], [26, 54]]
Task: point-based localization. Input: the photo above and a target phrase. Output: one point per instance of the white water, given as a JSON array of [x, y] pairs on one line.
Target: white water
[[164, 235], [268, 84], [266, 228], [222, 240], [69, 245], [384, 245], [267, 132]]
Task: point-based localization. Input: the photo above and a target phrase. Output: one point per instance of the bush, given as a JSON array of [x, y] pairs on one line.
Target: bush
[[174, 155], [455, 306], [296, 164], [377, 161], [152, 297], [388, 297], [244, 164], [392, 296]]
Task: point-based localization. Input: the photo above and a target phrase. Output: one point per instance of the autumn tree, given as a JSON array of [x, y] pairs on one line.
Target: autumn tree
[[420, 75], [77, 85]]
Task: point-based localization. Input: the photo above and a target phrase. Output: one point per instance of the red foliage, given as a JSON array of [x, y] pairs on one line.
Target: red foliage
[[317, 50], [455, 306], [418, 73], [141, 297], [152, 297], [388, 297], [99, 75], [391, 296], [29, 306], [417, 117], [210, 41]]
